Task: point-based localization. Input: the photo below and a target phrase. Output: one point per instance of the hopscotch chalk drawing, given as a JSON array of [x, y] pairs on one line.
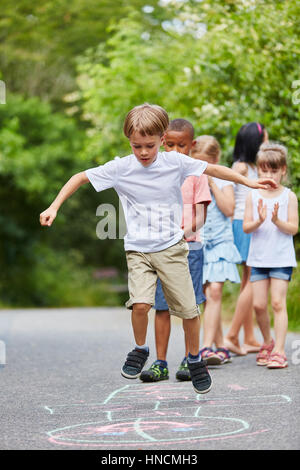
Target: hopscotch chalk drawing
[[135, 415]]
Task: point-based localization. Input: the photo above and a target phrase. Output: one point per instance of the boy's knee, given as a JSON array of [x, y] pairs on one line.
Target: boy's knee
[[141, 309], [163, 313]]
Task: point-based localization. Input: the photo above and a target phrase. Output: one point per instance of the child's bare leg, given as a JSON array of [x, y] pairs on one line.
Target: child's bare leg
[[219, 338], [192, 333], [212, 312], [139, 319], [243, 310], [249, 338], [278, 298], [186, 345], [260, 303], [162, 326]]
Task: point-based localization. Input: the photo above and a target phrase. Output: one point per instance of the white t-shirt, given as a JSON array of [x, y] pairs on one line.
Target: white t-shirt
[[150, 196]]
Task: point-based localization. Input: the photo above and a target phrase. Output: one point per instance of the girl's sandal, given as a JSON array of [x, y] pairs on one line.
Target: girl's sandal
[[263, 357], [210, 357], [224, 354], [277, 361]]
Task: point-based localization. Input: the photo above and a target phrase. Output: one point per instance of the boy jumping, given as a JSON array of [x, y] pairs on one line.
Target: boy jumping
[[195, 196], [148, 183]]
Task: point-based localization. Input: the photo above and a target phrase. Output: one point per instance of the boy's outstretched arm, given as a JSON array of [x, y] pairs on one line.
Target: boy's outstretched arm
[[224, 173], [47, 217]]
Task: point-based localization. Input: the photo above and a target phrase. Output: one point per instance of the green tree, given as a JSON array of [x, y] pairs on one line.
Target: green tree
[[39, 41]]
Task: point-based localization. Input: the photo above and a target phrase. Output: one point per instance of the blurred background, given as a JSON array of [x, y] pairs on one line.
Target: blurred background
[[69, 73]]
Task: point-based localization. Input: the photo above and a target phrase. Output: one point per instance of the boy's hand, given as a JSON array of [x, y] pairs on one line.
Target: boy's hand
[[275, 213], [262, 211], [47, 217], [263, 183]]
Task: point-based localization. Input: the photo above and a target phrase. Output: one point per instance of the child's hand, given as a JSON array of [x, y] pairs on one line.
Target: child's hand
[[47, 217], [210, 181], [264, 183], [262, 211], [275, 213]]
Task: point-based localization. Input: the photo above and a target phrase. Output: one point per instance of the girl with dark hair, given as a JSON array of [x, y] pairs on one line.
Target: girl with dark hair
[[247, 143]]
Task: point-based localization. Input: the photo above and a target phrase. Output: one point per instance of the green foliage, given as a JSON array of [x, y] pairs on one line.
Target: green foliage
[[38, 151], [38, 148], [242, 69], [293, 301], [39, 41], [60, 280]]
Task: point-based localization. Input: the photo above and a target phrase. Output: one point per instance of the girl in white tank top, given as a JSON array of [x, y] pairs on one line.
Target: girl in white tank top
[[272, 218]]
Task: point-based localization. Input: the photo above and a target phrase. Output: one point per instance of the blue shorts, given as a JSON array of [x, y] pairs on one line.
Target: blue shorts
[[195, 259], [241, 239], [257, 274]]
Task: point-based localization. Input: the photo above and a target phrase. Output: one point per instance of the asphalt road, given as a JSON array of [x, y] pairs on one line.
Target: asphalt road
[[61, 388]]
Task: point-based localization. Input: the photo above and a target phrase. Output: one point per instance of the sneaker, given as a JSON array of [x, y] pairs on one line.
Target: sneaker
[[210, 357], [224, 355], [201, 379], [134, 363], [155, 373], [183, 372]]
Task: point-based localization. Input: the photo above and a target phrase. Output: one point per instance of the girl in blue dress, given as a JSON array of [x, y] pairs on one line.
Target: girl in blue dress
[[220, 253]]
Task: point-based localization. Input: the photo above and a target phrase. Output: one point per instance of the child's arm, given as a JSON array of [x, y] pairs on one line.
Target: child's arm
[[224, 197], [250, 225], [291, 225], [222, 172], [47, 217], [198, 220]]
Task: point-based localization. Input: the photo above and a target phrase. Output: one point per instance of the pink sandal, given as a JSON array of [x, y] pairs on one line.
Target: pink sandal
[[210, 357], [263, 357], [277, 361]]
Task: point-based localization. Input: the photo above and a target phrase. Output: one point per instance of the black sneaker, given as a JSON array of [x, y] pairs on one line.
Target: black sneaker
[[183, 372], [134, 363], [155, 373], [201, 379]]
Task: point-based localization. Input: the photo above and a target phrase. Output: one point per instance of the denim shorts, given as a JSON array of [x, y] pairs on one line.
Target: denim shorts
[[195, 260], [257, 274]]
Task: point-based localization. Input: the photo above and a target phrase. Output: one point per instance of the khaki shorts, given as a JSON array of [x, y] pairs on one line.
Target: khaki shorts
[[171, 266]]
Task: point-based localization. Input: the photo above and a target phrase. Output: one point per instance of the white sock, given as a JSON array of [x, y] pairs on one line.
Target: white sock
[[144, 346]]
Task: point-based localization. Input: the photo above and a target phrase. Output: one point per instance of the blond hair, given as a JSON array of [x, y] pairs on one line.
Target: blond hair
[[147, 119], [207, 145], [271, 155]]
